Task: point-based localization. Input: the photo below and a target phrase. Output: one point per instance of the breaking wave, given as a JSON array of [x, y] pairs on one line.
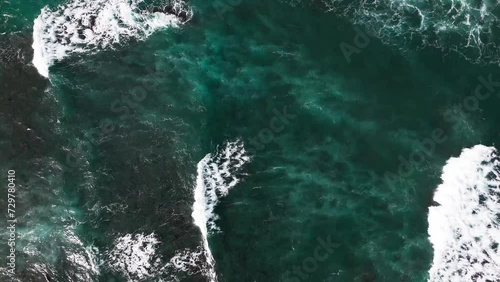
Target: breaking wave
[[216, 175], [134, 256], [84, 26], [464, 226]]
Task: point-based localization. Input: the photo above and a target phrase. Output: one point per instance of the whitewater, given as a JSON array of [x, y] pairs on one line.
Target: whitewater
[[217, 174], [464, 226], [89, 26]]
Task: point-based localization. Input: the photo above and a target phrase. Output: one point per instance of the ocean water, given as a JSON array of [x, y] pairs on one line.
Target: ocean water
[[243, 140]]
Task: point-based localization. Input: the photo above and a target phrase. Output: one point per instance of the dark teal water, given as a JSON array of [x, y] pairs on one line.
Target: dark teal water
[[109, 149]]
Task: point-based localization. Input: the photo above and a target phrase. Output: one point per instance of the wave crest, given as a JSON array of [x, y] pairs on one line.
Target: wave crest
[[84, 26], [217, 174], [464, 228]]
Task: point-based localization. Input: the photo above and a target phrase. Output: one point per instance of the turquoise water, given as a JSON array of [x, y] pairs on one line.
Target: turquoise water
[[234, 145]]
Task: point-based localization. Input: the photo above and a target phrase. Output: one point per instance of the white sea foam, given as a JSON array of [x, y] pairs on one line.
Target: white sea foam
[[216, 175], [86, 262], [187, 260], [467, 27], [464, 228], [87, 26], [135, 256]]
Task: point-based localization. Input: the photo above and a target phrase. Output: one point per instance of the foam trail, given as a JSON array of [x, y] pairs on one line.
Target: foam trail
[[464, 228], [467, 27], [216, 175], [187, 260], [87, 26]]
